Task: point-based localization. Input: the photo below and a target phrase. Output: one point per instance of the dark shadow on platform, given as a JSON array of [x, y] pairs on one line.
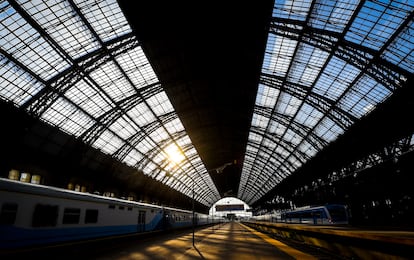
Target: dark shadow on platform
[[198, 251]]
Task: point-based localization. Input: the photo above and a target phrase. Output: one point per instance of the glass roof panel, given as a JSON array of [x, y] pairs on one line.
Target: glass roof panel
[[184, 141], [174, 126], [105, 17], [150, 168], [292, 9], [400, 52], [323, 69], [16, 84], [292, 137], [306, 148], [335, 79], [160, 158], [27, 45], [137, 67], [333, 15], [377, 21], [88, 98], [141, 114], [260, 121], [276, 128], [282, 152], [67, 117], [328, 130], [190, 152], [306, 66], [124, 127], [132, 157], [278, 56], [158, 135], [108, 142], [160, 104], [266, 96], [145, 145], [287, 104], [57, 19], [268, 144], [308, 116], [97, 84], [364, 97], [112, 82]]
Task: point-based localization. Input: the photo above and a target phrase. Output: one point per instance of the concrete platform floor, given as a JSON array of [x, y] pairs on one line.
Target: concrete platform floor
[[226, 241]]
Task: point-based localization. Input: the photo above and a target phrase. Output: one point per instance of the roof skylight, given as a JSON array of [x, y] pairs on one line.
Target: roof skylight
[[76, 65]]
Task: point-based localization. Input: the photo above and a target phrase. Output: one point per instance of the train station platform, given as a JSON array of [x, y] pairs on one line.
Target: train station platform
[[230, 240], [234, 240]]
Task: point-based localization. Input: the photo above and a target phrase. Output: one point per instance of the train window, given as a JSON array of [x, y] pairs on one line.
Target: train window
[[71, 216], [121, 207], [45, 216], [91, 216], [129, 208], [338, 213], [8, 213], [111, 206]]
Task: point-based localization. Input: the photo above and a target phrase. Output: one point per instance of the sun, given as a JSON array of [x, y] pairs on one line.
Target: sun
[[174, 154]]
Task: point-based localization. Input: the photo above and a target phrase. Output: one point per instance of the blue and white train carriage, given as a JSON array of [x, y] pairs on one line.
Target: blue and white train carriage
[[32, 215]]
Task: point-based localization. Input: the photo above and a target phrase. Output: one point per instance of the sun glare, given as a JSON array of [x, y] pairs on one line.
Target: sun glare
[[174, 154]]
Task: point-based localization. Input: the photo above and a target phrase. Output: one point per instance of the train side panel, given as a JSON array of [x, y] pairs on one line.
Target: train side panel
[[40, 219], [35, 214]]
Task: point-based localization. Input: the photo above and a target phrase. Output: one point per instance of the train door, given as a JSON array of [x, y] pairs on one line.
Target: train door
[[141, 221]]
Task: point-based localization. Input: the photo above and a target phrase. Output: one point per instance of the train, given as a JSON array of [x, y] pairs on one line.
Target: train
[[329, 214], [35, 215]]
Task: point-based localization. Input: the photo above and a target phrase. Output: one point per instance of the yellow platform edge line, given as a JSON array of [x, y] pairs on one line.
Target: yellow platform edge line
[[285, 248]]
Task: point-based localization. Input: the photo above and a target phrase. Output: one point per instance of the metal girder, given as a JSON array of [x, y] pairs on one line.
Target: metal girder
[[98, 128], [387, 153], [162, 144], [283, 163], [9, 58], [366, 59], [60, 83], [294, 30], [57, 85], [105, 120], [81, 68], [323, 104], [131, 142], [135, 140], [262, 161], [280, 142], [302, 130]]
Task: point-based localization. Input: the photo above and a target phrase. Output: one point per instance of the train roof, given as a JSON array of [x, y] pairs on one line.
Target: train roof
[[39, 189]]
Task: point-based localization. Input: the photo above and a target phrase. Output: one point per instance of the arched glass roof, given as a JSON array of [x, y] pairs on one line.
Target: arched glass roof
[[76, 65], [327, 65]]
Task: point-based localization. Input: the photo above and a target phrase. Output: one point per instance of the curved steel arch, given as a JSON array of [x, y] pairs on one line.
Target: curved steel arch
[[133, 140], [60, 83], [102, 54], [280, 142], [307, 35], [323, 104], [287, 121], [367, 60]]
